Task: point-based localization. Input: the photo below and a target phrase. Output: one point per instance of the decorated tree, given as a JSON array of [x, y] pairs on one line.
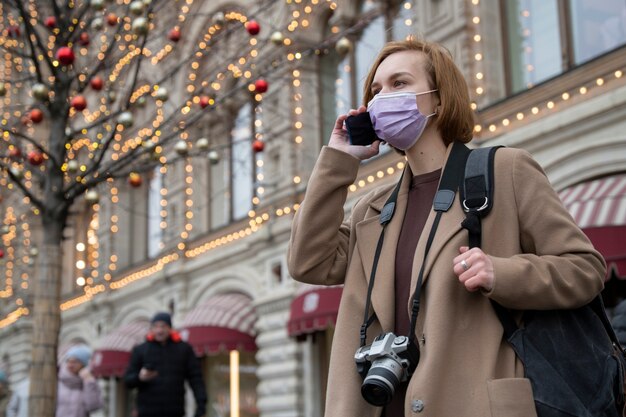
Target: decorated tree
[[77, 112]]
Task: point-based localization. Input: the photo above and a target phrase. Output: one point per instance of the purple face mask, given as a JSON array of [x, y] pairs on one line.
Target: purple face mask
[[396, 118]]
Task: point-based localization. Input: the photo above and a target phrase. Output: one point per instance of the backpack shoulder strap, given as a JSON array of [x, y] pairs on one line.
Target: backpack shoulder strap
[[477, 191], [477, 199]]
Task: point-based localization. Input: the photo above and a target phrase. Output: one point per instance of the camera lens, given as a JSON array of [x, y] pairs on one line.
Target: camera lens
[[381, 382]]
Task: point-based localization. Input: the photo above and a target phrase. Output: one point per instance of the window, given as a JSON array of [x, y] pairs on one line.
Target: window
[[403, 21], [232, 170], [548, 37], [534, 42], [218, 186], [242, 163], [597, 26], [371, 42], [155, 233], [343, 75]]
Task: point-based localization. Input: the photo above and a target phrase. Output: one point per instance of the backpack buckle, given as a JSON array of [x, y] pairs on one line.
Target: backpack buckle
[[481, 208]]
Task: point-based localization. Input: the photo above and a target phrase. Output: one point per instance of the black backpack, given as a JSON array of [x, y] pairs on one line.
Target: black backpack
[[572, 358]]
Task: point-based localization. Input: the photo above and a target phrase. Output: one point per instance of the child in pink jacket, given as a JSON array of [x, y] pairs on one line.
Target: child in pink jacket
[[78, 392]]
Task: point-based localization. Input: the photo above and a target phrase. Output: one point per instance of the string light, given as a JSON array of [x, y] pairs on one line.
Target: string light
[[242, 66], [549, 105], [477, 46]]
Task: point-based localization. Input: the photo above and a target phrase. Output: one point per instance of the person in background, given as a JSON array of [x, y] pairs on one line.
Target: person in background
[[159, 368], [5, 393], [78, 393], [18, 406]]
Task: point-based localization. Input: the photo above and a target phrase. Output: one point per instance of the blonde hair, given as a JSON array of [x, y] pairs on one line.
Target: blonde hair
[[455, 118]]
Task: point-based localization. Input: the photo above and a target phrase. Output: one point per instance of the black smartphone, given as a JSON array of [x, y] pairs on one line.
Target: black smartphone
[[360, 129]]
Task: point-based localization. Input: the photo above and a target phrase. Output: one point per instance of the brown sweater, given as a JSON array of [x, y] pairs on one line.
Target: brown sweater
[[420, 202]]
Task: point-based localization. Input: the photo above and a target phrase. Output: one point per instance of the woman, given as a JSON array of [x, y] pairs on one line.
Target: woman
[[78, 392], [533, 255]]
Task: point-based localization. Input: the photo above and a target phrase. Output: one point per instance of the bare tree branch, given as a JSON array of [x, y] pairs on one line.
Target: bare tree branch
[[36, 201], [107, 55], [30, 30], [33, 142]]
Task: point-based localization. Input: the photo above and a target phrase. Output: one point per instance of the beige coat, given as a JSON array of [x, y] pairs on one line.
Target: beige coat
[[541, 260]]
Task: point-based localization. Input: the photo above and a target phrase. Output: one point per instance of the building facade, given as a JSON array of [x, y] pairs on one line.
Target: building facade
[[206, 237]]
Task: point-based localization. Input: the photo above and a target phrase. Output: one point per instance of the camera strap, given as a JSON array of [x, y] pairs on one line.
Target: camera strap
[[451, 177], [450, 180], [385, 217]]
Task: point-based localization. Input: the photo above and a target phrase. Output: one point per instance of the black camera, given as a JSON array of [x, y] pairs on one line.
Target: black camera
[[384, 364]]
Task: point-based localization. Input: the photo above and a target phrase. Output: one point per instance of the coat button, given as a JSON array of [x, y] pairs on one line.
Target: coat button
[[417, 406]]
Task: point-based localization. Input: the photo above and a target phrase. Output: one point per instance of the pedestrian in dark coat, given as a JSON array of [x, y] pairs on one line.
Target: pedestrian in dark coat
[[159, 368]]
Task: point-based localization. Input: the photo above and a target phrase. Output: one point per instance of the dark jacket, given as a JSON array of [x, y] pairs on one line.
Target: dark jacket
[[164, 396]]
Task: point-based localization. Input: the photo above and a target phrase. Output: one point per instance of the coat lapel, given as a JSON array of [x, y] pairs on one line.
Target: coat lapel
[[449, 226], [368, 233]]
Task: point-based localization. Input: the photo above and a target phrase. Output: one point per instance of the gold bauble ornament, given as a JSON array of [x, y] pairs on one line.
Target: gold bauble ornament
[[343, 46]]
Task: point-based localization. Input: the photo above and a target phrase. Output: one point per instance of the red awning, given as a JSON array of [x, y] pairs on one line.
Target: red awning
[[610, 241], [221, 323], [313, 310], [113, 352], [599, 208]]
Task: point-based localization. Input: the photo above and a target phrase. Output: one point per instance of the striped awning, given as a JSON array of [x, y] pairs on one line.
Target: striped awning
[[112, 353], [313, 309], [599, 208], [221, 323]]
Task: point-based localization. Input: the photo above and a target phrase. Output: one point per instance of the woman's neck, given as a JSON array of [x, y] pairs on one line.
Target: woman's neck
[[428, 154]]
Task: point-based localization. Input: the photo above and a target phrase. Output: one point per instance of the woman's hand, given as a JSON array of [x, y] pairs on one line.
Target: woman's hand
[[340, 141], [474, 269]]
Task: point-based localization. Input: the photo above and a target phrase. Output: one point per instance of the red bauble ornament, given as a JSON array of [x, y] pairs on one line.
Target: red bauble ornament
[[96, 83], [204, 101], [112, 19], [260, 86], [83, 39], [253, 27], [14, 31], [35, 115], [51, 22], [15, 152], [65, 55], [35, 158], [258, 145], [1, 253], [174, 35], [134, 179], [79, 103]]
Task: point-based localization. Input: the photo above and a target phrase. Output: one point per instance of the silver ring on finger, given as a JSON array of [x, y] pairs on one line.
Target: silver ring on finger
[[464, 265]]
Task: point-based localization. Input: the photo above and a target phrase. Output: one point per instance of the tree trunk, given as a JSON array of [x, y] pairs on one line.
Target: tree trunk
[[46, 326], [47, 300]]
